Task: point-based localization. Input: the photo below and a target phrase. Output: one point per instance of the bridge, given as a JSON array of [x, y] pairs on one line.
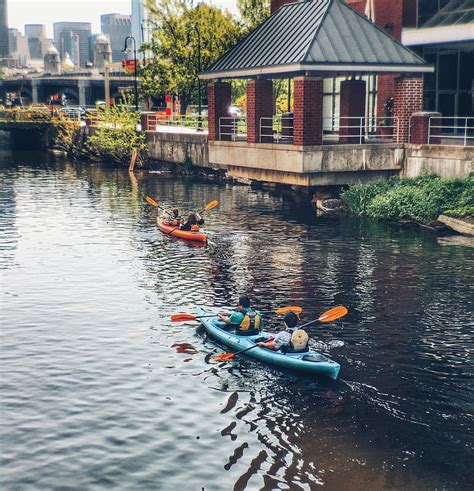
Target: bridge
[[82, 89]]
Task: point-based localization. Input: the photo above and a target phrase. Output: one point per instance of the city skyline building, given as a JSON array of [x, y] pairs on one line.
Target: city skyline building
[[116, 27], [140, 30], [19, 49], [4, 36], [83, 31], [38, 42]]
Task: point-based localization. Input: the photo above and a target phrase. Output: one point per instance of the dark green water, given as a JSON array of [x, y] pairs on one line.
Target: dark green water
[[99, 389]]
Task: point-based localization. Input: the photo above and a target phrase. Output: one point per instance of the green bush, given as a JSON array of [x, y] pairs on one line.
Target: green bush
[[117, 135], [421, 199]]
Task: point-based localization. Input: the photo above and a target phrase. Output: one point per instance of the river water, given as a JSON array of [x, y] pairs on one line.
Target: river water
[[99, 389]]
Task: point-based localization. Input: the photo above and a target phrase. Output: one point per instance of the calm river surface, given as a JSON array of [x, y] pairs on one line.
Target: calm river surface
[[100, 390]]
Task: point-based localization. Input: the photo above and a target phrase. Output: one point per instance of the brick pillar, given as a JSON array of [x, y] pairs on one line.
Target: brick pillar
[[276, 4], [259, 105], [219, 98], [420, 123], [407, 99], [308, 111], [352, 105]]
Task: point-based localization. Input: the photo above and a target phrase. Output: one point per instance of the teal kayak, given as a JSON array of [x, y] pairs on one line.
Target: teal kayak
[[310, 362]]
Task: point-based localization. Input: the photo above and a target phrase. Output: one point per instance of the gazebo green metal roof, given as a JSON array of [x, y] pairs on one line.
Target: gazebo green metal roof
[[316, 36]]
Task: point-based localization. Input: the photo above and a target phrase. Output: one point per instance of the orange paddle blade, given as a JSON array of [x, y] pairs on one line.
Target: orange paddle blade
[[151, 201], [223, 357], [183, 317], [333, 314], [211, 205], [291, 308]]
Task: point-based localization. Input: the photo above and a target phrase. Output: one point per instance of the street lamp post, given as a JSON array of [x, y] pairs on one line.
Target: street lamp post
[[196, 29], [135, 83]]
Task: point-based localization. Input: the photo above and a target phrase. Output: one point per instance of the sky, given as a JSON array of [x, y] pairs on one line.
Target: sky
[[21, 12]]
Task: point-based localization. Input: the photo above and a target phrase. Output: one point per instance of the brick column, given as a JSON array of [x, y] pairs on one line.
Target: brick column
[[259, 105], [352, 105], [219, 98], [407, 99], [420, 125], [308, 111]]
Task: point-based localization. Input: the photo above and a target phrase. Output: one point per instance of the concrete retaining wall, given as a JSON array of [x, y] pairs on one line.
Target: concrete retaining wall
[[443, 160], [174, 147], [310, 166]]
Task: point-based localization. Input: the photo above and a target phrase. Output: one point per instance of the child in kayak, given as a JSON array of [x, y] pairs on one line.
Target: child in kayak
[[173, 218], [245, 320], [291, 340], [193, 222]]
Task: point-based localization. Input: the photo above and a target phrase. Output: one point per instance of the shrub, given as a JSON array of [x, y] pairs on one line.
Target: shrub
[[117, 136], [421, 199]]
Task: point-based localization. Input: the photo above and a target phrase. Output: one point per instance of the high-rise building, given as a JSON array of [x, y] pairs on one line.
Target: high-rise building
[[19, 49], [4, 39], [116, 27], [70, 43], [37, 41], [83, 31], [140, 28]]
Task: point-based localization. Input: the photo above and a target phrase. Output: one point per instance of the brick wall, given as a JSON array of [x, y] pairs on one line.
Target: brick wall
[[308, 111], [407, 99], [420, 128], [219, 98], [276, 4], [259, 105]]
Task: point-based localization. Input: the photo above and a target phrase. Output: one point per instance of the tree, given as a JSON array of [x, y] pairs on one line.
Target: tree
[[181, 30], [253, 12]]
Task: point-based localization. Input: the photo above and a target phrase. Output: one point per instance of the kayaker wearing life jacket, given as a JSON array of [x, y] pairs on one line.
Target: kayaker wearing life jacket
[[291, 340], [245, 320], [174, 218], [193, 222]]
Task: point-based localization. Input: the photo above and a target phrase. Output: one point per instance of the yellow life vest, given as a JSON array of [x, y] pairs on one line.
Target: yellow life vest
[[250, 322]]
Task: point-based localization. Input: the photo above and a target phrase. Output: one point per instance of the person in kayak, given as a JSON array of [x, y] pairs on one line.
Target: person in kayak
[[291, 339], [193, 222], [174, 218], [245, 320]]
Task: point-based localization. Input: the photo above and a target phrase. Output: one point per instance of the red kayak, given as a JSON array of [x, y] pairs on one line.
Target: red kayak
[[174, 231]]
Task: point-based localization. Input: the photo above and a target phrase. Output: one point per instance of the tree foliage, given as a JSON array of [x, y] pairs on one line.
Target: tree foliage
[[181, 30], [253, 12], [117, 136]]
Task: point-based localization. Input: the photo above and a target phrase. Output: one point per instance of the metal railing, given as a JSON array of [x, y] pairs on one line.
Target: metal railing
[[451, 130], [359, 130], [155, 120], [276, 129], [233, 128]]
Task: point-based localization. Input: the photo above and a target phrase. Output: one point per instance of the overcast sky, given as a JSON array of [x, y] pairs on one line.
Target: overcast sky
[[21, 12]]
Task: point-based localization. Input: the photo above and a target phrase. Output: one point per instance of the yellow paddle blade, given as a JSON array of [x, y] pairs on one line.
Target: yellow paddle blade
[[292, 308], [333, 314], [211, 205], [151, 201]]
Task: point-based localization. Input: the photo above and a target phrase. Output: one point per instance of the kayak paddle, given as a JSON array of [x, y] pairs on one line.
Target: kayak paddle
[[328, 316], [210, 206], [191, 317]]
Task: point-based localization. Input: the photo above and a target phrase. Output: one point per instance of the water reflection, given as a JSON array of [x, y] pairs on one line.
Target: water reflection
[[98, 383]]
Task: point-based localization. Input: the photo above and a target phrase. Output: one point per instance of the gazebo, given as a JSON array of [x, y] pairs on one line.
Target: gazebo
[[308, 41]]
